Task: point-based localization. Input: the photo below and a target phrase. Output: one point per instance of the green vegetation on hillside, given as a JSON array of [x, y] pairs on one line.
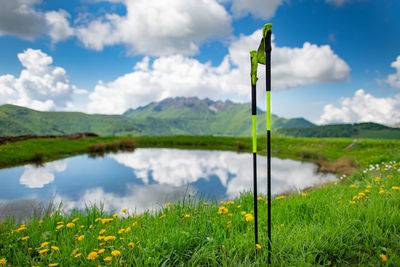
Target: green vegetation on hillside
[[179, 116], [353, 223], [357, 130]]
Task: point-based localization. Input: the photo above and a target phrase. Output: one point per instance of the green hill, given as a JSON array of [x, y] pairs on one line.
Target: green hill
[[361, 130], [172, 116]]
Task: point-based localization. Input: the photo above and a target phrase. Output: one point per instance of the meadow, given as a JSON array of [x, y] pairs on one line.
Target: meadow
[[354, 221]]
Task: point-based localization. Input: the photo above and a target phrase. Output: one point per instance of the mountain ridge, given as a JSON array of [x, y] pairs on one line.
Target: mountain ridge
[[171, 116]]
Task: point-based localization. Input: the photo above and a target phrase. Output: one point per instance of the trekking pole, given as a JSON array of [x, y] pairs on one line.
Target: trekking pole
[[254, 62], [267, 50]]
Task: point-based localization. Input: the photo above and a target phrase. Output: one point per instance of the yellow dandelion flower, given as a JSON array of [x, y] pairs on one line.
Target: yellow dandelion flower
[[243, 212], [81, 237], [98, 219], [162, 216], [395, 187], [75, 251], [377, 179], [124, 210], [43, 251], [134, 224], [55, 248], [101, 251], [131, 244], [44, 244], [3, 261], [90, 226], [369, 186], [78, 255], [115, 253], [260, 199], [121, 231], [239, 206], [115, 215], [382, 191], [107, 259], [75, 220], [223, 202], [111, 237], [367, 191], [102, 231], [100, 237], [128, 229], [353, 185], [70, 225], [168, 204], [258, 246], [304, 194], [361, 194], [383, 257], [249, 217], [102, 244], [222, 210], [230, 203], [230, 215], [135, 215], [187, 216], [60, 222], [92, 255], [25, 238], [352, 202], [53, 264], [206, 204]]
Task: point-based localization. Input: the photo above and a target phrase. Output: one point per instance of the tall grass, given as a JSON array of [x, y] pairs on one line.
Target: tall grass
[[355, 222]]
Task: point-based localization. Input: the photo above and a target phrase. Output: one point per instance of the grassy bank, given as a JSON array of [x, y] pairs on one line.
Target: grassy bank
[[319, 150], [353, 223]]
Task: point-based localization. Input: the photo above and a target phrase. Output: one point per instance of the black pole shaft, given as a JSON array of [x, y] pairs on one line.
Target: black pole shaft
[[253, 114], [268, 49]]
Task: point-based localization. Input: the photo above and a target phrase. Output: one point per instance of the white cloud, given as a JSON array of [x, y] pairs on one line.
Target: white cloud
[[158, 28], [22, 19], [181, 76], [363, 107], [258, 8], [40, 85], [59, 28], [394, 79]]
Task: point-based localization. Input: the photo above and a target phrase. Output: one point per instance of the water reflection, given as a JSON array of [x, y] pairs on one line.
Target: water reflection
[[38, 176], [148, 178]]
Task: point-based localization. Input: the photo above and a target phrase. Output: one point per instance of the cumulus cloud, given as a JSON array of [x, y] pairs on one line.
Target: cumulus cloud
[[363, 107], [59, 26], [394, 79], [40, 85], [176, 75], [258, 8], [158, 28], [21, 18]]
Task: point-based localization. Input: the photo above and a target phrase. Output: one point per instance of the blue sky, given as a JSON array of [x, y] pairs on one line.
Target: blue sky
[[332, 60]]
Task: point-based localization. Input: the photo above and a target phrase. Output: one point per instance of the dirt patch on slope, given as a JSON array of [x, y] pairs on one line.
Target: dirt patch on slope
[[73, 136]]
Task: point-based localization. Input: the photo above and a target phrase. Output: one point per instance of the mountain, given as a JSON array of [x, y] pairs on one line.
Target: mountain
[[204, 116], [356, 130], [171, 116]]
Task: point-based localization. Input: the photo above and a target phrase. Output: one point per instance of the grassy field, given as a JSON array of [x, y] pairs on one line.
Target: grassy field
[[310, 149], [354, 221]]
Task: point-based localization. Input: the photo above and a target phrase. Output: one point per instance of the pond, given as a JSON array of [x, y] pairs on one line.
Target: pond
[[146, 179]]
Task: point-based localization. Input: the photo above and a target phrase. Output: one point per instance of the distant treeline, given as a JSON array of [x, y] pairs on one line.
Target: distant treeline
[[361, 130]]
